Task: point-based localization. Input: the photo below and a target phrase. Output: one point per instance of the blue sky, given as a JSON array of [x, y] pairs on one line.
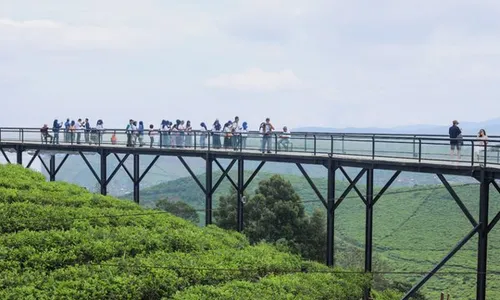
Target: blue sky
[[302, 63]]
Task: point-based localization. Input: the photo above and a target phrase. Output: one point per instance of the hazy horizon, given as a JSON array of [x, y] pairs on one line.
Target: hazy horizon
[[316, 63]]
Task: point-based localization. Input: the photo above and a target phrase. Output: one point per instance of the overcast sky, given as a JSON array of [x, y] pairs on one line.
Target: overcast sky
[[303, 63]]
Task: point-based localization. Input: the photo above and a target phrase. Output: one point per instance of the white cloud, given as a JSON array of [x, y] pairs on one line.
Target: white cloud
[[51, 35], [257, 80]]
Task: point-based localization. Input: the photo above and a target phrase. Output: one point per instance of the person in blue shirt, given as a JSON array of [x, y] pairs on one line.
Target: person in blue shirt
[[67, 133], [140, 132], [56, 127]]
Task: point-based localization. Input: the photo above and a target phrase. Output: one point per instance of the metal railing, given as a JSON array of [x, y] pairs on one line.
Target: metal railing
[[416, 148]]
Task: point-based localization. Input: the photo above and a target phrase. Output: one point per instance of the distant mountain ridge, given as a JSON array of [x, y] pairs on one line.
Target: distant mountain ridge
[[492, 127]]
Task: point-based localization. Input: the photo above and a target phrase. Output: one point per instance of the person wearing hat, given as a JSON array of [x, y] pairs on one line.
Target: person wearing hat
[[455, 140]]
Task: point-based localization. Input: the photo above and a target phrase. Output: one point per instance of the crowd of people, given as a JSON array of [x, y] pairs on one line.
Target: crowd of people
[[178, 134]]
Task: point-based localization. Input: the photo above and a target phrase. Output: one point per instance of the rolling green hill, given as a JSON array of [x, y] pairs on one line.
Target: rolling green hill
[[58, 241], [414, 228]]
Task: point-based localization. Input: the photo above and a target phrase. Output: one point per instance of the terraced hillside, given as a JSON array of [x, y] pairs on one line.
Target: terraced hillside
[[59, 241], [414, 228]]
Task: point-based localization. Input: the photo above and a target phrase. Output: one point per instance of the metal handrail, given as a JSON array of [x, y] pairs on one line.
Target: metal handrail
[[373, 146]]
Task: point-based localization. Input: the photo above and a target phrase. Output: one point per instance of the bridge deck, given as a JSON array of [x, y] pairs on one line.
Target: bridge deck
[[463, 167], [417, 153]]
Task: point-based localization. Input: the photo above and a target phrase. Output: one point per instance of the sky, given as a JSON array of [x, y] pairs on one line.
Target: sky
[[302, 63]]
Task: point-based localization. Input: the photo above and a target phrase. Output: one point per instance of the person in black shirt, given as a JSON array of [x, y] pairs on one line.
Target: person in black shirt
[[455, 139]]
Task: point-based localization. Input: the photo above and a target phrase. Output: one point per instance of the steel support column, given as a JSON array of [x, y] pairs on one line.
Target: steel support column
[[330, 215], [19, 156], [137, 179], [104, 172], [52, 168], [208, 187], [241, 174], [482, 249], [369, 227]]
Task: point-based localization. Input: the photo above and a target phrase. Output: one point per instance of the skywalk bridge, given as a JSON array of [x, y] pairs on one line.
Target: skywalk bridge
[[334, 151]]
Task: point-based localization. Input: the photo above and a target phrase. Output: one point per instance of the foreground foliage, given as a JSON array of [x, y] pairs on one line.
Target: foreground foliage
[[414, 227], [58, 241]]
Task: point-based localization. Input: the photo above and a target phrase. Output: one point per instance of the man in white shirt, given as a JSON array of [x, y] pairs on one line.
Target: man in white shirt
[[78, 129], [235, 129], [285, 138]]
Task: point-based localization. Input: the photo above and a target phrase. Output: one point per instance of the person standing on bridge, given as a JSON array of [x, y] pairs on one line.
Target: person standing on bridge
[[86, 125], [151, 134], [455, 140], [100, 130], [56, 127], [140, 133], [267, 130], [216, 132], [244, 135], [129, 132], [78, 129], [235, 129], [203, 135], [480, 145], [72, 130], [67, 134], [189, 133], [165, 133]]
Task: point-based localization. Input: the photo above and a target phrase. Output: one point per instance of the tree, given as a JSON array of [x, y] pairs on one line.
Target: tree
[[179, 209], [275, 214]]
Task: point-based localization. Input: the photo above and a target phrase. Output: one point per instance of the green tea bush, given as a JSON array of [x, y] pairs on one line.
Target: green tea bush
[[59, 241]]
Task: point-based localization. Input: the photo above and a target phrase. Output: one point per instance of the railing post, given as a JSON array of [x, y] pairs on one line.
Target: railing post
[[209, 135], [0, 135], [414, 142], [472, 155], [343, 143], [485, 154], [419, 150], [314, 136], [331, 144], [22, 136], [194, 137], [161, 133], [275, 143], [305, 142], [373, 146]]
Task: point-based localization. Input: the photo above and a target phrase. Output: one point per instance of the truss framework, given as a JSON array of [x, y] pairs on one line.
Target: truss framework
[[480, 226]]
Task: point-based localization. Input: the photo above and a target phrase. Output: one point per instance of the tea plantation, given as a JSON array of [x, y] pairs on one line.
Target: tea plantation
[[58, 241]]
